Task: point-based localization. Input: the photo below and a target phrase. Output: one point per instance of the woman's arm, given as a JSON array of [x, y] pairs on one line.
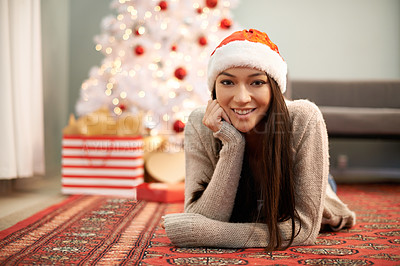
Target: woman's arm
[[210, 189], [195, 230], [310, 143]]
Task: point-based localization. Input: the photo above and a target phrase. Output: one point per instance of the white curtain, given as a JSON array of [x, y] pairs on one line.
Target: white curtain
[[21, 92]]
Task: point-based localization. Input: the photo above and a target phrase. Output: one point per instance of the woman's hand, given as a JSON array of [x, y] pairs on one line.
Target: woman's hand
[[214, 115], [162, 222]]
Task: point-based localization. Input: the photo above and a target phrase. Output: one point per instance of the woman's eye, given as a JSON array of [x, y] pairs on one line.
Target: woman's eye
[[226, 82], [258, 82]]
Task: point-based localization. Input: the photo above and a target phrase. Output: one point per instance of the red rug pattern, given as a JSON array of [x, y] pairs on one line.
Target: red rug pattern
[[88, 230]]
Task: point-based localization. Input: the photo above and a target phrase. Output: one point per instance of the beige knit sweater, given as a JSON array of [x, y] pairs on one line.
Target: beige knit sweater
[[206, 220]]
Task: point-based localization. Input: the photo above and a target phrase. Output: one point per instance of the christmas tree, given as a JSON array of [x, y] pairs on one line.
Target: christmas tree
[[156, 54]]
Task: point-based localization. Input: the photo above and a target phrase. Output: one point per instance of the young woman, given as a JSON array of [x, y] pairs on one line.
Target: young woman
[[257, 166]]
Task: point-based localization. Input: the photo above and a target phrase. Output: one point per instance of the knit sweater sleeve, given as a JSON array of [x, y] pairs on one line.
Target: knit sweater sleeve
[[310, 143], [210, 187], [311, 167]]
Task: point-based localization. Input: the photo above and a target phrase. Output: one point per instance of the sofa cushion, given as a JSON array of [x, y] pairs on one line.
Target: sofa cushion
[[374, 94], [357, 121]]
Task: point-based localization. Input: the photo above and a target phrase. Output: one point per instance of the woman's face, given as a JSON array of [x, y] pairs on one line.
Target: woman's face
[[244, 94]]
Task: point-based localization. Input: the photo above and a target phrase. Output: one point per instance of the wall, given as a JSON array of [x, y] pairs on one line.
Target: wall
[[55, 41], [68, 28], [85, 19], [334, 40]]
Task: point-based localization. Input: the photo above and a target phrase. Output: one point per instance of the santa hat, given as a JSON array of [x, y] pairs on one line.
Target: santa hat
[[248, 48]]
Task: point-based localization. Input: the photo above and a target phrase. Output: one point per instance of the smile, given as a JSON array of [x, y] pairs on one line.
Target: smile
[[243, 112]]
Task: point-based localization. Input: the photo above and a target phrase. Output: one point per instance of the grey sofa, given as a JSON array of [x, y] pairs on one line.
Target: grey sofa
[[354, 109], [363, 122]]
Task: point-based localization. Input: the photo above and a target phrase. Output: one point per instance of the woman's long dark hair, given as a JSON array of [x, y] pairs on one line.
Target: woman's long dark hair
[[267, 182]]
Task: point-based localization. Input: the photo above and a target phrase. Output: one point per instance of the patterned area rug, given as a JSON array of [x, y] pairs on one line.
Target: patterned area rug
[[89, 230]]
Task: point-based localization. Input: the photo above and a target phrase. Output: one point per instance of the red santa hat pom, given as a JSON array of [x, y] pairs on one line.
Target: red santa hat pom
[[248, 48]]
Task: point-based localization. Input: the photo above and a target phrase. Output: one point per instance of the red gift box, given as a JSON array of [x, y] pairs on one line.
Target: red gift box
[[102, 165], [161, 192]]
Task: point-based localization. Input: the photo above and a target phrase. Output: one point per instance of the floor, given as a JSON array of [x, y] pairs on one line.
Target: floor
[[19, 199], [90, 233]]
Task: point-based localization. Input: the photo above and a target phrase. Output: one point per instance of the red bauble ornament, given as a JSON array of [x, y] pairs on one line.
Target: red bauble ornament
[[139, 50], [174, 48], [163, 5], [203, 41], [180, 73], [199, 10], [122, 107], [179, 126], [211, 3], [225, 23]]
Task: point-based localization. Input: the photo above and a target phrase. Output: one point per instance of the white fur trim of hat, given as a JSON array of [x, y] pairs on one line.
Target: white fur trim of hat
[[247, 48]]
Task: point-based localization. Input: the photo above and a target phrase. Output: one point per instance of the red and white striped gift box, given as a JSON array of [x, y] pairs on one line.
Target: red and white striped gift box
[[102, 165]]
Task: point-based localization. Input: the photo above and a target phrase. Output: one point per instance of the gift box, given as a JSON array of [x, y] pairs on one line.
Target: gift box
[[161, 192], [102, 165]]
